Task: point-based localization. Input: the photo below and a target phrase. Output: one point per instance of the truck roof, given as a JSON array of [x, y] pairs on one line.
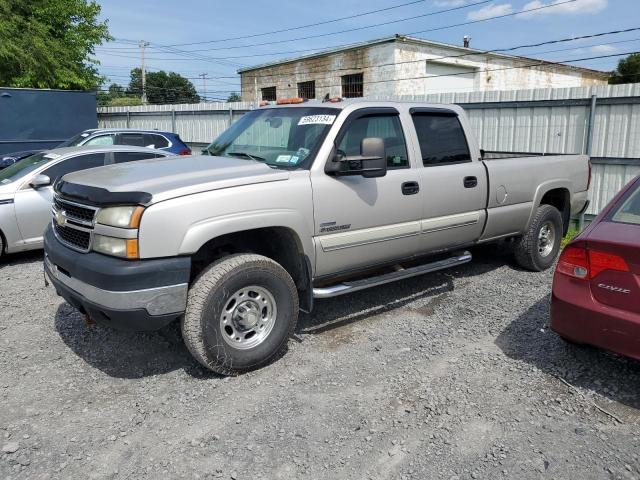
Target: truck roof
[[363, 102]]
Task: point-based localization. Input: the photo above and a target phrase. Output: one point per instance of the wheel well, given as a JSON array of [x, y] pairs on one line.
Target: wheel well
[[3, 243], [559, 198], [280, 244]]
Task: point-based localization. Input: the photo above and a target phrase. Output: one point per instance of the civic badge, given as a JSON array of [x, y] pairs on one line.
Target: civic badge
[[61, 220]]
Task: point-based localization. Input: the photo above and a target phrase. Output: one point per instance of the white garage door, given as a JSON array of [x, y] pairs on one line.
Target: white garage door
[[448, 78]]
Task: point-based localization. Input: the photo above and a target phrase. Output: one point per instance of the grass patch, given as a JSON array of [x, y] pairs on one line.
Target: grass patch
[[571, 234]]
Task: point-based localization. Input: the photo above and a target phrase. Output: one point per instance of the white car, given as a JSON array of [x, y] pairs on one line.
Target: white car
[[26, 188]]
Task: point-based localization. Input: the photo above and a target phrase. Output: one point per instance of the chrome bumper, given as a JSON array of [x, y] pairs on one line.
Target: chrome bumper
[[156, 301]]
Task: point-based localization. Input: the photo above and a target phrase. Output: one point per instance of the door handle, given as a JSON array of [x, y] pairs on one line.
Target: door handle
[[470, 182], [410, 188]]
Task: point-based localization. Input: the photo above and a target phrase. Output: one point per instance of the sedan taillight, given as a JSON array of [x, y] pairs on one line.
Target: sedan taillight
[[185, 151], [580, 262]]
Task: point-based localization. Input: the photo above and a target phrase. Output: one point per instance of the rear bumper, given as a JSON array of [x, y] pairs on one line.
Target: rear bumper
[[577, 316], [129, 295]]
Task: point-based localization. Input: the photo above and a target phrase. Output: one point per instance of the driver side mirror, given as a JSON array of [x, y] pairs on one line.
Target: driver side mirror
[[40, 181], [371, 163]]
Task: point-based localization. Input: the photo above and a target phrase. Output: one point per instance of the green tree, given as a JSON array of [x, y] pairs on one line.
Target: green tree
[[163, 87], [628, 70], [114, 92], [49, 43], [234, 97]]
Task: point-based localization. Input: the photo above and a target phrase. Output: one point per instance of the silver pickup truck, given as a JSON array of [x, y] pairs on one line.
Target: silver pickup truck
[[294, 203]]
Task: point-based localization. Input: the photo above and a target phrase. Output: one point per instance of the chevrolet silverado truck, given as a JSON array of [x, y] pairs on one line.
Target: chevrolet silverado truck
[[294, 203]]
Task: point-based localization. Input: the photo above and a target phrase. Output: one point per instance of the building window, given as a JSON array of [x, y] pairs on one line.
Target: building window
[[269, 94], [307, 90], [352, 85]]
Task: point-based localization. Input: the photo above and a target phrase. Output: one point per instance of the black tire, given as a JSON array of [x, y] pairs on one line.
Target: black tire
[[1, 245], [209, 301], [527, 250]]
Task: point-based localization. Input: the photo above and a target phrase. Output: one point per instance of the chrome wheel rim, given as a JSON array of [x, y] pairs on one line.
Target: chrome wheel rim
[[546, 239], [248, 316]]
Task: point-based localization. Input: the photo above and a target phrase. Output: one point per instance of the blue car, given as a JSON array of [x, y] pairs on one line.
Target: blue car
[[166, 141]]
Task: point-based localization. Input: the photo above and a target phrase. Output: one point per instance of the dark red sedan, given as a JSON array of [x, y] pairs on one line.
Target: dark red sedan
[[596, 286]]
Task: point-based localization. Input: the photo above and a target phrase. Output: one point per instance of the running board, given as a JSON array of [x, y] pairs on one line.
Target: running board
[[355, 285]]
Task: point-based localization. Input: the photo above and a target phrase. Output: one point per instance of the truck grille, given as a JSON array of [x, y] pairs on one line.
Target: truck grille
[[79, 239], [73, 223], [75, 211]]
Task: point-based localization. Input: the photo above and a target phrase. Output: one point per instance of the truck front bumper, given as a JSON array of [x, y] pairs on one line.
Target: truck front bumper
[[124, 294]]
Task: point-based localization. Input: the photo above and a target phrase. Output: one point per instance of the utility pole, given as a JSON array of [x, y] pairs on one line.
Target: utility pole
[[204, 84], [143, 44]]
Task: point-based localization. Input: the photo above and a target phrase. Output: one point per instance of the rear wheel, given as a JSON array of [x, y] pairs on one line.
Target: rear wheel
[[240, 313], [538, 247]]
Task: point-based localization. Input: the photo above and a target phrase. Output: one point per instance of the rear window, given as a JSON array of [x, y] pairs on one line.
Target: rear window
[[442, 139], [629, 209], [153, 140]]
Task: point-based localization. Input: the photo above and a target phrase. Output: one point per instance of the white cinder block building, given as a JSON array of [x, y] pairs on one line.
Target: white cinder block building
[[401, 65]]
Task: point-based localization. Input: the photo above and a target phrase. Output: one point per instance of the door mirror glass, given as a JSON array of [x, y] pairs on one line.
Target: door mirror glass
[[40, 181], [371, 162]]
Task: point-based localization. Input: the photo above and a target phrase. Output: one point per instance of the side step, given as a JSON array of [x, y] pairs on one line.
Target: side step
[[355, 285]]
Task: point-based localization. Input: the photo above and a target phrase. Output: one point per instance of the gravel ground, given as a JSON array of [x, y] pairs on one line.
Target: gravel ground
[[451, 375]]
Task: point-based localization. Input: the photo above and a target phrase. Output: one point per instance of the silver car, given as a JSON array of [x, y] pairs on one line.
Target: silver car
[[26, 188]]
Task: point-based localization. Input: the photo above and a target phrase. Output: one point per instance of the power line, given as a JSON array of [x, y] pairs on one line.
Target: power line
[[300, 27], [438, 12], [470, 22], [466, 54]]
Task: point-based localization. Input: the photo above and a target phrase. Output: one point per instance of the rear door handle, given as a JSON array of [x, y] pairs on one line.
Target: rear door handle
[[470, 182], [410, 188]]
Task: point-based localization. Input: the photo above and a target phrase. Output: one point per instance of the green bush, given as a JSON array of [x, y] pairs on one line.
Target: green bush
[[571, 234]]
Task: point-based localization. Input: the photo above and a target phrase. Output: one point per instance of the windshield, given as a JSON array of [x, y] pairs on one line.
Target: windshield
[[24, 166], [73, 141], [279, 137]]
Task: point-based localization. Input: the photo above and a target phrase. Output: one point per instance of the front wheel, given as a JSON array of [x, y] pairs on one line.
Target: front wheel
[[538, 247], [240, 314]]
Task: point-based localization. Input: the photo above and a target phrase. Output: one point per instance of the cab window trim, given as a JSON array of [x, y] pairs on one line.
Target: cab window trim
[[371, 112], [438, 112]]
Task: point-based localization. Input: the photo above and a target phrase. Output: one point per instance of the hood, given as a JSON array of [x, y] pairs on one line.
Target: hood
[[159, 179]]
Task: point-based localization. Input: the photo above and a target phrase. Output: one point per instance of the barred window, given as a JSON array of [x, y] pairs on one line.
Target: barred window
[[269, 94], [307, 90], [352, 85]]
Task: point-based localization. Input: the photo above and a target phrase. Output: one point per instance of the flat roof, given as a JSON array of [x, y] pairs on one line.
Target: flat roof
[[415, 41]]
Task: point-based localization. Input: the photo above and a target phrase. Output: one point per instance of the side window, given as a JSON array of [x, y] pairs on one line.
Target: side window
[[74, 164], [124, 157], [388, 128], [135, 139], [155, 141], [100, 140], [442, 139]]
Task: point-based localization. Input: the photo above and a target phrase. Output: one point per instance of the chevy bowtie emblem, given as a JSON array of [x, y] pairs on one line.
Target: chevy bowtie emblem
[[60, 218]]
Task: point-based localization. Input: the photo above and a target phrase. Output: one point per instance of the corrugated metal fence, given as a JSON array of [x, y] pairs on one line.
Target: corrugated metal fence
[[603, 121]]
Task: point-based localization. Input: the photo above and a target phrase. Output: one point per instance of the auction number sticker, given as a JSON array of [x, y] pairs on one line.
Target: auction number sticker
[[317, 120]]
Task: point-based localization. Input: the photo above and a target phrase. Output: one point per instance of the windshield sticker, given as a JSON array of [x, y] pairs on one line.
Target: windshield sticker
[[294, 159], [52, 156], [317, 120], [283, 158]]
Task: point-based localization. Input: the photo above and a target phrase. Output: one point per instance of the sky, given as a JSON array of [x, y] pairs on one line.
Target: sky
[[217, 37]]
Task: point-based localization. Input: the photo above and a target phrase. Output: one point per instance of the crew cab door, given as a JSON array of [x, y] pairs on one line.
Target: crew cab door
[[361, 222], [33, 205], [454, 183]]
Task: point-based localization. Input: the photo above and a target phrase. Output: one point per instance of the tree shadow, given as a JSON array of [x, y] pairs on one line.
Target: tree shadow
[[133, 355], [130, 355], [20, 258], [529, 339], [340, 311]]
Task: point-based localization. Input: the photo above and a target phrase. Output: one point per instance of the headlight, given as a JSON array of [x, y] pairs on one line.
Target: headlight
[[117, 247], [123, 217]]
